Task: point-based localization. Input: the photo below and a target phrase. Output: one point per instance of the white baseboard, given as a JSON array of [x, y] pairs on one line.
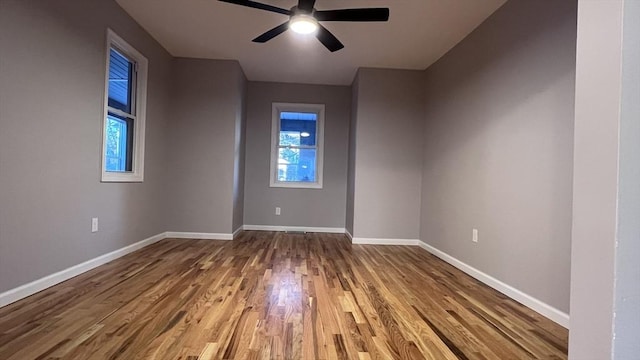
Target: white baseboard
[[33, 287], [544, 309], [294, 228], [346, 232], [375, 241], [237, 231], [198, 236]]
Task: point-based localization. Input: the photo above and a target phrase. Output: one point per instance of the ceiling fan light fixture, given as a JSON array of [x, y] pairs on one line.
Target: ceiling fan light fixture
[[303, 24]]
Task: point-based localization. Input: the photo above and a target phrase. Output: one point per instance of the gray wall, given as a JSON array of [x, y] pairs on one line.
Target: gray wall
[[206, 106], [351, 163], [498, 148], [605, 291], [300, 207], [52, 73], [627, 282], [239, 154], [388, 154]]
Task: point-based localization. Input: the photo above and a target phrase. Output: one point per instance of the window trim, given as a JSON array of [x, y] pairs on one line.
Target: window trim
[[276, 109], [139, 114]]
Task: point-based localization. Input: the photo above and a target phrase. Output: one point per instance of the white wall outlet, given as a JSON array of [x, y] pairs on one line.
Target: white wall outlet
[[277, 211], [474, 236], [94, 225]]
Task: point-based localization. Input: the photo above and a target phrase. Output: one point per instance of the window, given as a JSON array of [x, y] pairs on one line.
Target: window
[[296, 145], [124, 112]]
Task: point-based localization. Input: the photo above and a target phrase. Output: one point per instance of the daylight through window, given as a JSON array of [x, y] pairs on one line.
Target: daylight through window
[[297, 145], [123, 141]]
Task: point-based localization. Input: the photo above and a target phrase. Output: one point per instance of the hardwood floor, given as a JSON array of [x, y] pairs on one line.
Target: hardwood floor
[[272, 295]]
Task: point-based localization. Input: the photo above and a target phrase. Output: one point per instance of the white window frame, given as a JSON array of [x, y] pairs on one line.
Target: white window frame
[[278, 108], [139, 114]]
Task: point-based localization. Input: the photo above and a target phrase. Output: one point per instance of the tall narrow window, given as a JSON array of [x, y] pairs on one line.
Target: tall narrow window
[[124, 119], [297, 145]]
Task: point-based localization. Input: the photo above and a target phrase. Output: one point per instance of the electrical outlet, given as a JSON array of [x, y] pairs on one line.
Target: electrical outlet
[[474, 237], [277, 211], [94, 225]]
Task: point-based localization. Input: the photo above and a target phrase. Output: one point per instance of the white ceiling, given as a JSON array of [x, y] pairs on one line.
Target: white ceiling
[[418, 33]]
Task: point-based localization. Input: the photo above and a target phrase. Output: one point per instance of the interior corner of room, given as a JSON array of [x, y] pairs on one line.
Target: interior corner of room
[[513, 157]]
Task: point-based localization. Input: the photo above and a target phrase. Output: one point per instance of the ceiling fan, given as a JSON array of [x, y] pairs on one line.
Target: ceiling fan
[[304, 19]]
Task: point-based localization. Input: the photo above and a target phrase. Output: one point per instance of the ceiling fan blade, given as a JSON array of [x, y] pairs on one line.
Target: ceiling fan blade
[[328, 40], [306, 5], [272, 33], [369, 14], [257, 5]]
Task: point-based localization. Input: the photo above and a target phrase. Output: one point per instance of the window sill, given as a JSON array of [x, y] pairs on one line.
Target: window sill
[[296, 185], [108, 177]]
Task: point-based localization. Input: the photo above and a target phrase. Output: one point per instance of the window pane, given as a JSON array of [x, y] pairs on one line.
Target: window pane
[[118, 138], [120, 81], [289, 138], [297, 165], [302, 124]]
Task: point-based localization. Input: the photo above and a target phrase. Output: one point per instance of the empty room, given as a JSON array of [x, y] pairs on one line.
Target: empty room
[[320, 179]]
